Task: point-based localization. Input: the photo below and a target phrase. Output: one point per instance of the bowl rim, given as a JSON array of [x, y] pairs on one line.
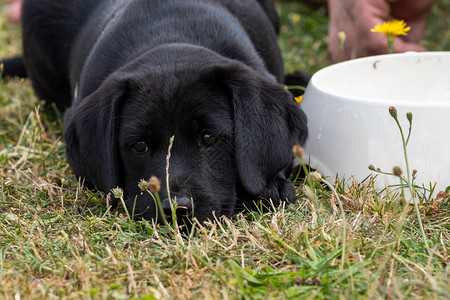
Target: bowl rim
[[391, 102]]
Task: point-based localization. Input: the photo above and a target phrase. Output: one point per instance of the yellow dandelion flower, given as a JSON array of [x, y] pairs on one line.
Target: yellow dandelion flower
[[296, 18], [393, 28], [299, 99]]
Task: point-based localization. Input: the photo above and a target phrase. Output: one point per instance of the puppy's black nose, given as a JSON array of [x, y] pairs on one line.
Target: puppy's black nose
[[181, 205]]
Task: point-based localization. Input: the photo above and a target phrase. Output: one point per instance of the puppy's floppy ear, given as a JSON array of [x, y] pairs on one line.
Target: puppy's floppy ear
[[91, 130], [268, 123]]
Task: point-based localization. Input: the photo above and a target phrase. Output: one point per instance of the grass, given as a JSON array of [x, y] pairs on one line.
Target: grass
[[58, 240]]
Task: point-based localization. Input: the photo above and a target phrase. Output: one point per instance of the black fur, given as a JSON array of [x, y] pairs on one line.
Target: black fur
[[13, 67], [131, 74]]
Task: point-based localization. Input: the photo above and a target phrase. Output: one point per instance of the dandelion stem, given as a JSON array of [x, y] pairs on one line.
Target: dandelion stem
[[122, 201], [342, 37], [157, 200], [409, 181], [295, 87], [390, 40]]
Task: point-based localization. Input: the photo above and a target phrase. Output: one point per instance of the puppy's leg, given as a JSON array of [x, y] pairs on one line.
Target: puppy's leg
[[13, 67], [278, 189], [49, 30]]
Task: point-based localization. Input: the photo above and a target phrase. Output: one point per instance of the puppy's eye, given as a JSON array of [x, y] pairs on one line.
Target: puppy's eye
[[140, 147], [207, 139]]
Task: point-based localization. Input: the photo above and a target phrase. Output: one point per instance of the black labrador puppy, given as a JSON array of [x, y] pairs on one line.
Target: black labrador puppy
[[130, 74]]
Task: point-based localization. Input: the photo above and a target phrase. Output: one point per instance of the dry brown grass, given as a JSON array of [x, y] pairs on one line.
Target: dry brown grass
[[58, 240]]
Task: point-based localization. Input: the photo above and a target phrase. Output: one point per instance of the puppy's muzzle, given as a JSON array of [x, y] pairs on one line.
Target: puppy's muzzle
[[182, 207]]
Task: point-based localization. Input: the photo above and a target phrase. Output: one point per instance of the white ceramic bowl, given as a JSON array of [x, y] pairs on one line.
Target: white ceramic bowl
[[350, 127]]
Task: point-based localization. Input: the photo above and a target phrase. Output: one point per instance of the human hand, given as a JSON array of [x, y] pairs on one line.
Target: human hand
[[13, 10], [357, 17]]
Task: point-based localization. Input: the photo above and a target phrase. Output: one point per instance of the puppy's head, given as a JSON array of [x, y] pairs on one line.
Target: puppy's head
[[233, 132]]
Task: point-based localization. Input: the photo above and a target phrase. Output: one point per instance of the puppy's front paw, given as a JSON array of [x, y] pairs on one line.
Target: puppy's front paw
[[278, 189]]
